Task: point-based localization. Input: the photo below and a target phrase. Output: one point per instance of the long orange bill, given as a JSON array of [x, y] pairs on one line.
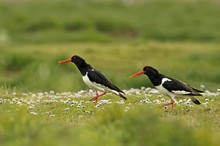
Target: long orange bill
[[137, 74], [65, 61]]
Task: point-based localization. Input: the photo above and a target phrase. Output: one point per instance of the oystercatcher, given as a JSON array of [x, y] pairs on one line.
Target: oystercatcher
[[94, 79], [169, 86]]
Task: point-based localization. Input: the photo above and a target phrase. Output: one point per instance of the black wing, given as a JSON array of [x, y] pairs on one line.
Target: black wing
[[99, 78], [175, 85]]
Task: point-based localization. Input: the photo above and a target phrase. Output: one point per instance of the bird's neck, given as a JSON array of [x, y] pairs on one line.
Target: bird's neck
[[156, 79], [83, 68]]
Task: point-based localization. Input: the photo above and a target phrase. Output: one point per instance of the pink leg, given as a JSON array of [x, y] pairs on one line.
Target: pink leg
[[95, 99], [171, 102]]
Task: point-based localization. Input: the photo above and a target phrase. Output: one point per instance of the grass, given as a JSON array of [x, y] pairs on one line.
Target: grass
[[35, 67], [64, 118], [43, 102], [53, 21], [34, 35]]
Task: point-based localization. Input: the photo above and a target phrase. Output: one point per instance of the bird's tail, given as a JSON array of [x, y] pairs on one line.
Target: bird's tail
[[122, 96], [197, 90], [196, 101]]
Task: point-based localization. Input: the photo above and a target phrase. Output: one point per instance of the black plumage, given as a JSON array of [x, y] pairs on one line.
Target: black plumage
[[94, 79], [99, 78], [175, 85], [170, 86]]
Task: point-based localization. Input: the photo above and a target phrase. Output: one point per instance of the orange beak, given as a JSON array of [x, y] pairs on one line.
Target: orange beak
[[137, 74], [65, 61]]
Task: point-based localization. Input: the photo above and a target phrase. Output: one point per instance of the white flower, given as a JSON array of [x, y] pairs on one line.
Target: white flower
[[34, 113], [52, 92], [19, 103], [157, 101], [66, 109], [52, 116], [127, 108]]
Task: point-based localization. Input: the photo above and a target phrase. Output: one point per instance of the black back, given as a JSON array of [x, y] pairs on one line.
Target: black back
[[99, 78], [172, 85], [93, 75], [175, 85]]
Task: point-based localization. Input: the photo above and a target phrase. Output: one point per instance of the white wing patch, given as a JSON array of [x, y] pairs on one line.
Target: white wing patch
[[181, 92], [161, 88], [171, 94], [165, 79]]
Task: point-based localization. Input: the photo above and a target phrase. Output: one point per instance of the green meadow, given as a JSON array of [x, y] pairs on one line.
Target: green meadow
[[39, 21], [35, 67], [51, 118], [46, 103]]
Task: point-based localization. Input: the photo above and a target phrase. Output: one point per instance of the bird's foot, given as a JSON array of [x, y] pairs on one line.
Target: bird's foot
[[171, 102], [94, 99]]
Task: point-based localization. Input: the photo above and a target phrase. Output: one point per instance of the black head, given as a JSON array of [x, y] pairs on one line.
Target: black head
[[75, 59], [148, 70], [79, 62]]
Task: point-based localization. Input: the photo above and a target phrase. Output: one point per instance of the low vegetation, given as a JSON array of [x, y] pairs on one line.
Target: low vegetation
[[45, 103], [67, 118], [35, 67], [39, 21]]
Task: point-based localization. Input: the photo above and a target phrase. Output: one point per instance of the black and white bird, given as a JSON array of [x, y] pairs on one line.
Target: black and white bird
[[94, 79], [169, 86]]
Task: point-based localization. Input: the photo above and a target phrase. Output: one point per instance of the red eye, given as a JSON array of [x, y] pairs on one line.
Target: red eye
[[74, 57]]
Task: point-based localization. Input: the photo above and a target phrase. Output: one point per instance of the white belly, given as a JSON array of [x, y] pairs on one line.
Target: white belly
[[164, 90], [92, 85], [97, 87]]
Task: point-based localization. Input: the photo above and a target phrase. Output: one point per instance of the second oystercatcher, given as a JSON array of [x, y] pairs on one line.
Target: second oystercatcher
[[169, 86], [94, 79]]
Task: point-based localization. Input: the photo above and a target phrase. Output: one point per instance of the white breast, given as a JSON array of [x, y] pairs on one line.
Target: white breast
[[92, 85], [164, 90], [96, 86]]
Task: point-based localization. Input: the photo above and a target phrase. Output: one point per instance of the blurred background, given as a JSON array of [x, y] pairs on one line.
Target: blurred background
[[118, 37]]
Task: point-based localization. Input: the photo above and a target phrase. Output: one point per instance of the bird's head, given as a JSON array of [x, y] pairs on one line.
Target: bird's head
[[147, 70], [75, 59]]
